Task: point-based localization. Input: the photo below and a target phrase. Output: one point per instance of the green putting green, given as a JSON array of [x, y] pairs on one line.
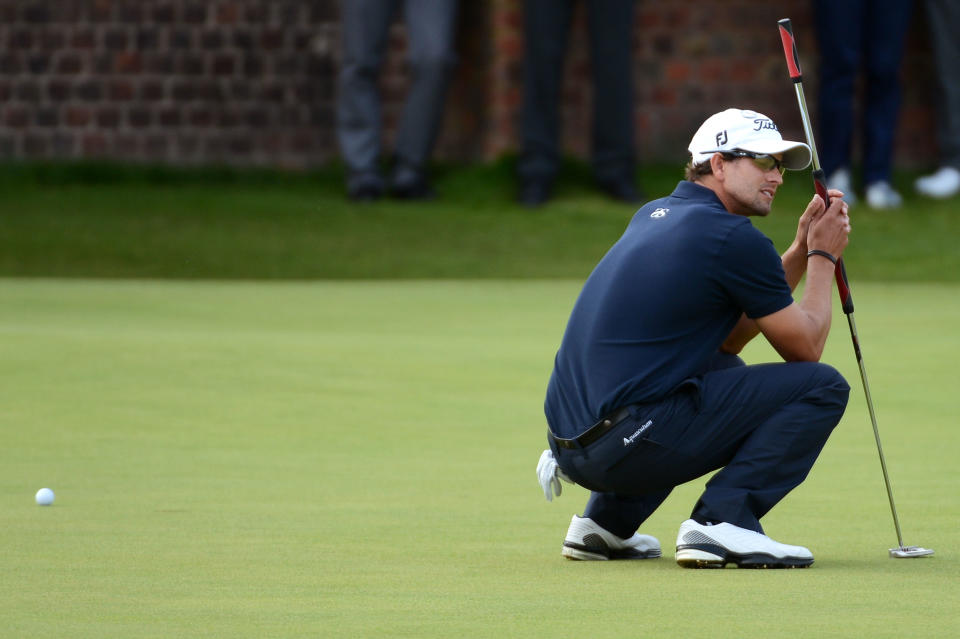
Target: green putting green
[[356, 459]]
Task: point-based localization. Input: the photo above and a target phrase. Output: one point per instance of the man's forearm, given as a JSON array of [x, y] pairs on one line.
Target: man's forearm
[[816, 302], [794, 261]]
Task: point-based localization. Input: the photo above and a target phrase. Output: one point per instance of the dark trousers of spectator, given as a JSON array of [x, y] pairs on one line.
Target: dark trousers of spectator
[[857, 35], [763, 426], [944, 21], [546, 30], [365, 28]]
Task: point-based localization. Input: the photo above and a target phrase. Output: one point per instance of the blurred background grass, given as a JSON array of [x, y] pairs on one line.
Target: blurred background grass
[[121, 221]]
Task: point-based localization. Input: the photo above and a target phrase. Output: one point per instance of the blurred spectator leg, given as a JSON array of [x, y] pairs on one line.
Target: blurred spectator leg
[[943, 17], [431, 27], [885, 32], [546, 28], [365, 25], [839, 27], [611, 52]]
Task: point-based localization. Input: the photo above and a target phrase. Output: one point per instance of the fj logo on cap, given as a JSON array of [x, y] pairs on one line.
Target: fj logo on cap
[[722, 138]]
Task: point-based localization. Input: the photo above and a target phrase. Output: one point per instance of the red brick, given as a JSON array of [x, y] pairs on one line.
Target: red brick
[[120, 91], [46, 117], [677, 71], [271, 38], [224, 64], [151, 91], [20, 39], [77, 116], [139, 117], [69, 64], [35, 145], [100, 10], [131, 11], [202, 117], [116, 39], [125, 145], [52, 39], [194, 12], [16, 117], [108, 118], [228, 13], [83, 38], [156, 145], [163, 12], [170, 117], [128, 62]]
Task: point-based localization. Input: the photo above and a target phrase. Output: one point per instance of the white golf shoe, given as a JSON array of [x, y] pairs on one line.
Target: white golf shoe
[[587, 541], [700, 546], [942, 184]]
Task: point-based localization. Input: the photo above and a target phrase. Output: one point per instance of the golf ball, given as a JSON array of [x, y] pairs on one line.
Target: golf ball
[[44, 496]]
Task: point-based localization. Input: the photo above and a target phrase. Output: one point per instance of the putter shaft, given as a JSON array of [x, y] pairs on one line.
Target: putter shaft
[[793, 66], [873, 420]]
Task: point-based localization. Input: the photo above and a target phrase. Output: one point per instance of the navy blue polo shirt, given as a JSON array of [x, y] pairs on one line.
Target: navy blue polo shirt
[[659, 304]]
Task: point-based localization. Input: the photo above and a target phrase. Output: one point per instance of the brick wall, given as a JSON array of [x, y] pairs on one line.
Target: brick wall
[[253, 82], [248, 82]]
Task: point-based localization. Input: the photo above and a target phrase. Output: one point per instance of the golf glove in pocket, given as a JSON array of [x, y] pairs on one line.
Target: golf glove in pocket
[[550, 475]]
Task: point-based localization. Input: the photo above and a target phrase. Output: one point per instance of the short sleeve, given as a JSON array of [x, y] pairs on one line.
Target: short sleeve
[[753, 274]]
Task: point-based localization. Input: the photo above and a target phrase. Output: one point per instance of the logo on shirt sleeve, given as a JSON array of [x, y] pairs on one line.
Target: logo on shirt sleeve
[[659, 213]]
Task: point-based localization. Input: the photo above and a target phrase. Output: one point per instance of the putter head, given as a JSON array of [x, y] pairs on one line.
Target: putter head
[[910, 551]]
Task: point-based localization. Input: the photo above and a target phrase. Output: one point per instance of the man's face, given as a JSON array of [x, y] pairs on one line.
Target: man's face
[[750, 188]]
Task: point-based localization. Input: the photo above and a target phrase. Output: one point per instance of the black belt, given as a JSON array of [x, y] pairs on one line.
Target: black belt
[[593, 433]]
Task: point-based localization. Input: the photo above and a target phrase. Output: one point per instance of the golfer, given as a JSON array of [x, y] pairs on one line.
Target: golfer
[[647, 390]]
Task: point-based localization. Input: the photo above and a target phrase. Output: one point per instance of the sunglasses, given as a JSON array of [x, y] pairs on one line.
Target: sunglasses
[[763, 161]]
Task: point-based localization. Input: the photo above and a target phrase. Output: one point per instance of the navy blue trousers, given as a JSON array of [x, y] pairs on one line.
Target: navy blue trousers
[[763, 426], [855, 36]]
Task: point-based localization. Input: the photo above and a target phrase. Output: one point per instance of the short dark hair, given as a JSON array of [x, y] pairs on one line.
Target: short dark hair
[[693, 172]]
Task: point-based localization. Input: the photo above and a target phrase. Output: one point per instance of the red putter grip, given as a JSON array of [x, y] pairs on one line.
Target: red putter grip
[[790, 49], [840, 273]]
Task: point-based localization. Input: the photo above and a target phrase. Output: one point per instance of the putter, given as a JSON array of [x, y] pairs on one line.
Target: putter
[[843, 286]]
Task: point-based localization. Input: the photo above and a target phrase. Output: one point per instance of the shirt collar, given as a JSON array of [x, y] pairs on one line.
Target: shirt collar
[[692, 191]]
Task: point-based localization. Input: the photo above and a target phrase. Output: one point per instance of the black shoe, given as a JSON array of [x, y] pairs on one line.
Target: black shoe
[[365, 187], [411, 184], [622, 190], [534, 193], [418, 190]]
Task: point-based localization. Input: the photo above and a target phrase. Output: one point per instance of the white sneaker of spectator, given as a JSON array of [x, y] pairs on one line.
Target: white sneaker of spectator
[[880, 195], [841, 180], [942, 184]]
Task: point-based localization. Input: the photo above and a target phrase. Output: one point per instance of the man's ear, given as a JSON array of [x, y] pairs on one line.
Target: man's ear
[[717, 165]]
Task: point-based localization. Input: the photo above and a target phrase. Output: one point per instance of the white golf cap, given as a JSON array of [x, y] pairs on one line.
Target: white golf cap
[[744, 130]]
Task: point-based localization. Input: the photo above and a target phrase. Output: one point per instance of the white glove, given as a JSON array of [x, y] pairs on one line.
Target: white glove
[[550, 475]]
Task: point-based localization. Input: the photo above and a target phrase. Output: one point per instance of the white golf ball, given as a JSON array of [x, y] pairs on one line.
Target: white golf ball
[[44, 496]]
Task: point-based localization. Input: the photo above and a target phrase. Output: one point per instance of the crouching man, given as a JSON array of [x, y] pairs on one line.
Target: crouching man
[[648, 391]]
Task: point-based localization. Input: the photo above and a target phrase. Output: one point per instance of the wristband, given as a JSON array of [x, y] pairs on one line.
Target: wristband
[[822, 254]]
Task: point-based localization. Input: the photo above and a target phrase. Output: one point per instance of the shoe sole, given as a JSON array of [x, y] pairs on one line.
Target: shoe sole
[[579, 552], [716, 557]]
